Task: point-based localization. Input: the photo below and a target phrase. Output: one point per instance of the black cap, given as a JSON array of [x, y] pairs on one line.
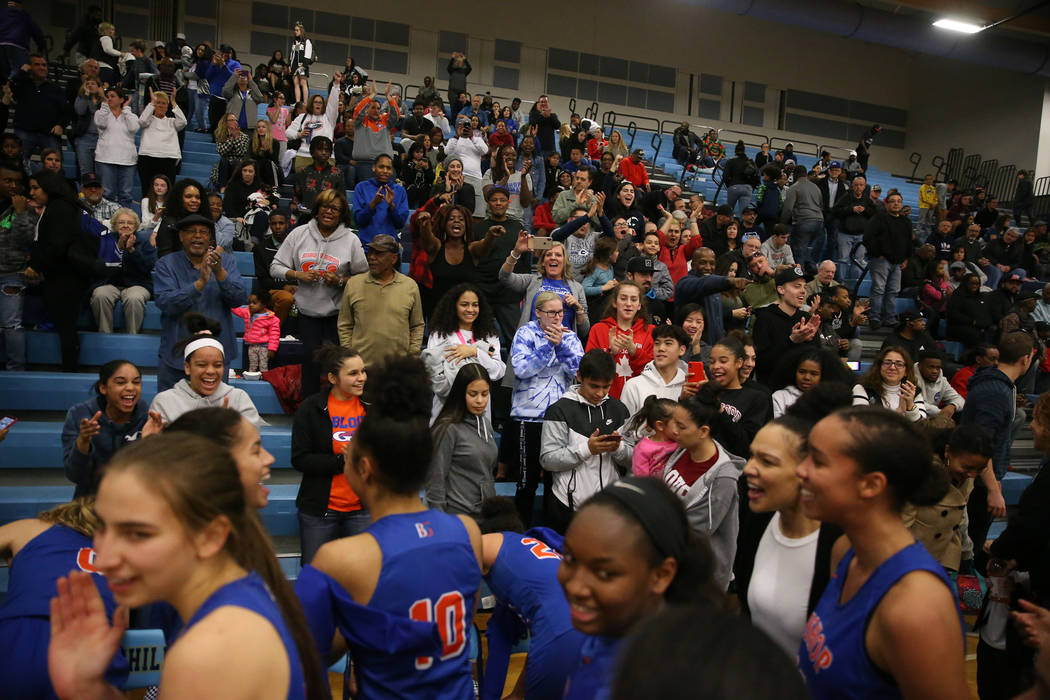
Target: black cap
[[911, 315], [1026, 296], [90, 180], [192, 219], [638, 152], [640, 263], [750, 207], [789, 274], [724, 210]]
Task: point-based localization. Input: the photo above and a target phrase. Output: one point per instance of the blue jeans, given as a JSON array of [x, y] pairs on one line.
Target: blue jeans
[[315, 530], [738, 194], [200, 109], [14, 57], [116, 182], [803, 235], [34, 139], [847, 268], [12, 335], [86, 152], [885, 283]]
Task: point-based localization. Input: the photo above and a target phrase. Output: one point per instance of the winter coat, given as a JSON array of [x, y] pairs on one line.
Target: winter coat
[[991, 403], [568, 424], [265, 330]]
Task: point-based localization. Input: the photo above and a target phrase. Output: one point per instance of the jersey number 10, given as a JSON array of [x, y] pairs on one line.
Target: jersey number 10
[[450, 615]]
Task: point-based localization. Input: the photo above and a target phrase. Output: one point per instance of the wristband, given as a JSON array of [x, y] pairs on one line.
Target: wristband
[[516, 257]]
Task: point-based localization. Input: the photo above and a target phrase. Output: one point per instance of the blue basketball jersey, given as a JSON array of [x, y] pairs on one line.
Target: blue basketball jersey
[[592, 679], [251, 593], [832, 655], [412, 639], [524, 580], [26, 610]]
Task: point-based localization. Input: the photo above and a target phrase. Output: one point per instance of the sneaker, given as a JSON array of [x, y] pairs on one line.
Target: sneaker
[[233, 373], [289, 339]]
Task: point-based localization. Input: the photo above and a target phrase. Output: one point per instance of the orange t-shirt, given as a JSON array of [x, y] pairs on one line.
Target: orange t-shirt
[[346, 416]]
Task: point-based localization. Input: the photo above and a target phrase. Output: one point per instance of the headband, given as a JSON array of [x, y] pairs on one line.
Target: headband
[[668, 532], [206, 342]]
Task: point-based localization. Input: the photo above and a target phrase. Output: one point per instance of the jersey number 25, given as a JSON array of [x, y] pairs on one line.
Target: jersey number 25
[[450, 615]]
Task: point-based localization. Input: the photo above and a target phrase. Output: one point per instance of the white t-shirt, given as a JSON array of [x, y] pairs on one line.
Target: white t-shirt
[[780, 585]]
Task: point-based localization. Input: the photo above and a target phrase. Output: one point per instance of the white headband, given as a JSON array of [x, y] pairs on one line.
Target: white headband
[[202, 343]]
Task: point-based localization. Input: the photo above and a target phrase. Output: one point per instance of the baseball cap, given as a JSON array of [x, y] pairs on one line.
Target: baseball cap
[[1038, 222], [638, 152], [876, 188], [834, 164], [1017, 275], [90, 180], [192, 219], [853, 153], [789, 274], [911, 315], [384, 243], [640, 263], [750, 207], [1027, 296], [957, 265]]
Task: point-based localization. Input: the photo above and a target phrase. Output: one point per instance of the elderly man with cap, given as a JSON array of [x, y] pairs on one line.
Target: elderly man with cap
[[198, 279], [633, 170], [780, 326], [381, 313], [91, 198]]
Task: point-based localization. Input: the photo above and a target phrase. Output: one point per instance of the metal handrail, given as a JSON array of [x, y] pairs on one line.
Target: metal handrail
[[915, 159], [954, 164], [657, 142], [762, 138], [1004, 184], [832, 149], [938, 162], [794, 142]]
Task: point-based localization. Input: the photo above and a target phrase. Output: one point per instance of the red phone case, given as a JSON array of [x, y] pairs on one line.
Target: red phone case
[[696, 372]]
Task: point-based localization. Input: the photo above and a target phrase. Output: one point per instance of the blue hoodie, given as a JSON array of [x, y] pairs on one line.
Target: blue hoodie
[[542, 371], [990, 403], [383, 219], [17, 28], [82, 469]]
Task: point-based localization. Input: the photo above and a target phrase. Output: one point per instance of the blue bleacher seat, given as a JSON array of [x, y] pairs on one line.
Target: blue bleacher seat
[[864, 290], [245, 263], [1014, 485], [97, 349], [144, 650], [150, 321], [953, 348], [996, 529], [906, 305], [38, 444], [57, 391]]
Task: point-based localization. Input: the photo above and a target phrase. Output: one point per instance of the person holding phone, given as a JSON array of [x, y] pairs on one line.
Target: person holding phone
[[891, 383], [470, 149]]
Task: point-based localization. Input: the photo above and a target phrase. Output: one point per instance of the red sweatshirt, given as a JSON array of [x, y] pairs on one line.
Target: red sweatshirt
[[626, 365]]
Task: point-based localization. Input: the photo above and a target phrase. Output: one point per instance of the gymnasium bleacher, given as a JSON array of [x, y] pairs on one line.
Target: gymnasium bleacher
[[31, 475]]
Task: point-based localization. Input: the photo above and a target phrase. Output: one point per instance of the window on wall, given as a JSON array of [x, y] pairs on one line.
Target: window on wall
[[506, 66], [449, 43], [131, 22], [709, 105], [374, 44], [839, 118], [610, 80]]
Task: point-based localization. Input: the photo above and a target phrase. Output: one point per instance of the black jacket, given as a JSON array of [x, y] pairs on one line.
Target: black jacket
[[312, 454], [999, 302], [1000, 253], [967, 310], [888, 237], [825, 192], [740, 170], [263, 254], [41, 107], [752, 527], [772, 334], [850, 222], [1027, 535], [1025, 193]]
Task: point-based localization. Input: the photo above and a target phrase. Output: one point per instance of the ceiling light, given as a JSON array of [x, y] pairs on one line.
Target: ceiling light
[[956, 26]]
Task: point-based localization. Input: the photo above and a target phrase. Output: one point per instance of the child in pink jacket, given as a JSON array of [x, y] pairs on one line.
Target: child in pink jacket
[[651, 452], [262, 331]]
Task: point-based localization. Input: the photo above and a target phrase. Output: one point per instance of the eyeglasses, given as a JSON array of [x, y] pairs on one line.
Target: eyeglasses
[[893, 364], [552, 314], [337, 208]]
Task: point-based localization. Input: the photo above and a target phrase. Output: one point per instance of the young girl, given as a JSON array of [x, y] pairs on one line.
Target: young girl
[[747, 408], [891, 382], [40, 551], [302, 57], [153, 204], [624, 334], [203, 361], [280, 118], [703, 474], [262, 330], [175, 527], [599, 277], [933, 297], [322, 430], [783, 560], [460, 476], [415, 572], [651, 452], [628, 553], [462, 332], [888, 622], [808, 369], [692, 319]]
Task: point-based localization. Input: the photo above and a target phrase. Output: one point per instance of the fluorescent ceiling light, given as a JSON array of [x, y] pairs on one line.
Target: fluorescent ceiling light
[[956, 26]]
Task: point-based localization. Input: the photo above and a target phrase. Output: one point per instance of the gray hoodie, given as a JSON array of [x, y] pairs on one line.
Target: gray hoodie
[[182, 399], [711, 505], [637, 389], [460, 475], [306, 249]]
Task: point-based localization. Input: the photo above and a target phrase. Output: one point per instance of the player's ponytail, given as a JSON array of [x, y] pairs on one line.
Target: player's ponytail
[[200, 483]]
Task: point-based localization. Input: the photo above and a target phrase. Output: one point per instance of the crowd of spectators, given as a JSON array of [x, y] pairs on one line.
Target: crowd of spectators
[[539, 254]]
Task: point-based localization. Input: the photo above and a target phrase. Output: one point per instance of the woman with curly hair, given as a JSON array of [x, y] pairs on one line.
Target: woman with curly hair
[[462, 332], [232, 145], [452, 252], [891, 383]]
